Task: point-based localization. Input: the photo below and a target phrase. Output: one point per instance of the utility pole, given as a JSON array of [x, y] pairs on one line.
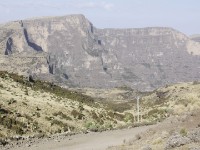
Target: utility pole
[[138, 109]]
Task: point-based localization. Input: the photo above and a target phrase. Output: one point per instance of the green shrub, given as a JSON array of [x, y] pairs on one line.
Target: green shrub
[[92, 126], [111, 114], [118, 107], [183, 132], [12, 124], [57, 122], [1, 85], [4, 111], [26, 91], [128, 117], [1, 135], [156, 111], [76, 114], [101, 116], [18, 130], [88, 124], [3, 142], [64, 126], [80, 107], [62, 115], [28, 117], [48, 118], [37, 114], [94, 115], [24, 103], [12, 101], [118, 116], [35, 126], [7, 123], [108, 126]]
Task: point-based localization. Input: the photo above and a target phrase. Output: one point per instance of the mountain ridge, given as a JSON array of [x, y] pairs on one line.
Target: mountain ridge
[[72, 51]]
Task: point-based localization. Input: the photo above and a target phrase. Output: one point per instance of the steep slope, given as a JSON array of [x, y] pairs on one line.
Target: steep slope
[[71, 51], [150, 57], [36, 108]]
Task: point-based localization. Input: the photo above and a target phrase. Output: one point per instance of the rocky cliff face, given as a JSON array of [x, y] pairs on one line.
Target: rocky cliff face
[[70, 50]]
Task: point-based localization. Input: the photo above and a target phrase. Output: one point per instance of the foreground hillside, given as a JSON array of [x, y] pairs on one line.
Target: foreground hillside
[[179, 108], [173, 109], [34, 108]]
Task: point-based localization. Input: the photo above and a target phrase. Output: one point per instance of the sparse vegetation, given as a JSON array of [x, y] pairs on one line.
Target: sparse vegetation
[[118, 107], [92, 126], [128, 117], [49, 87], [76, 114], [196, 82], [46, 108], [183, 132], [11, 101], [158, 140], [119, 116], [62, 115], [1, 85], [12, 124]]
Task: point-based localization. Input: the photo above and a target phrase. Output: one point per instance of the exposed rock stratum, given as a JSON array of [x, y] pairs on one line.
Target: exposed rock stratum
[[71, 51]]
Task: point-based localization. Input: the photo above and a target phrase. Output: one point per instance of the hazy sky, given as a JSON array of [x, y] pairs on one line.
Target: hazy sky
[[183, 15]]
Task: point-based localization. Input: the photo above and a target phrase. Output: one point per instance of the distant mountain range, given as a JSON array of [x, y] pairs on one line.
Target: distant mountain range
[[71, 51]]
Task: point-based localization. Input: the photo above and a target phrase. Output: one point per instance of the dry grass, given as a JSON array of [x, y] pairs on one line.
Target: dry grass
[[181, 103], [28, 108]]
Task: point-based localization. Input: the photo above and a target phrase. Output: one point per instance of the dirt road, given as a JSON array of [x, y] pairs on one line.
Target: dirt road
[[90, 141]]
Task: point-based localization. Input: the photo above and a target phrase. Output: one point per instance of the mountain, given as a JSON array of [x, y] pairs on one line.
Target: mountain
[[195, 37], [71, 51]]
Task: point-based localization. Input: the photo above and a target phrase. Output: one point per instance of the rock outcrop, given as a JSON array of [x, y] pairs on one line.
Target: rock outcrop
[[71, 51]]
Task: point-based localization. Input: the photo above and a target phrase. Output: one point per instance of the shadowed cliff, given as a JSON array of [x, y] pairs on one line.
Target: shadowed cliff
[[71, 51]]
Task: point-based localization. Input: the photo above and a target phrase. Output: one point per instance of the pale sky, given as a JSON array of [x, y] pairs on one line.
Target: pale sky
[[183, 15]]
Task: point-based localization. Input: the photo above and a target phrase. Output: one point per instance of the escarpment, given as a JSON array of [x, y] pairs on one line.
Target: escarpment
[[70, 50]]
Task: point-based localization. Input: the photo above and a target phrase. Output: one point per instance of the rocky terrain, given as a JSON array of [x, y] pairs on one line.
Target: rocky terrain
[[175, 133], [36, 114], [72, 51], [36, 109], [61, 76], [179, 104]]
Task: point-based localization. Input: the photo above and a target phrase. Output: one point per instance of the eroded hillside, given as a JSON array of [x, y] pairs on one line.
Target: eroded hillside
[[72, 51]]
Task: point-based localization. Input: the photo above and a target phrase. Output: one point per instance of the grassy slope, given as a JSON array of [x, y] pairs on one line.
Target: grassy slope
[[155, 106], [41, 108], [36, 107], [180, 104], [172, 100]]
